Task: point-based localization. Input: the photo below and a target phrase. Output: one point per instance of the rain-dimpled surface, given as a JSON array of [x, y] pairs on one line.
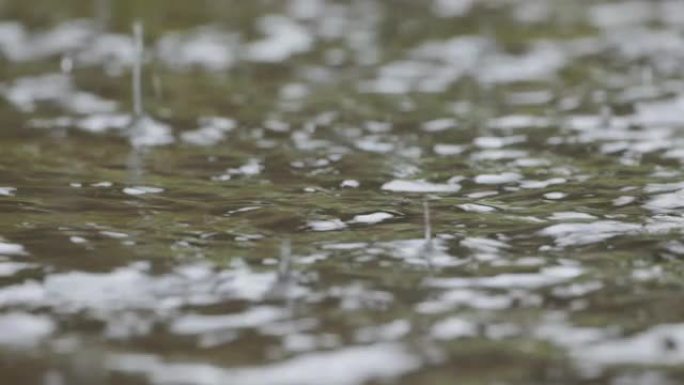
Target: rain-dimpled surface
[[261, 218]]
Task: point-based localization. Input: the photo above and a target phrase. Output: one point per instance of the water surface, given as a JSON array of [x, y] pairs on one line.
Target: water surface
[[341, 192]]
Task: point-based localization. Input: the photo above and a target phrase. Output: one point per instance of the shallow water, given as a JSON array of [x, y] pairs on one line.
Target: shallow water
[[342, 192]]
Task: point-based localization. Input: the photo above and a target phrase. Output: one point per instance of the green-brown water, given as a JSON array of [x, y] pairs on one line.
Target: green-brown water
[[264, 222]]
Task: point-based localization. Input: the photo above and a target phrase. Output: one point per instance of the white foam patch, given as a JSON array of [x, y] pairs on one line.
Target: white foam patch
[[206, 48], [579, 234], [130, 289], [547, 276], [497, 141], [251, 168], [284, 38], [350, 183], [517, 122], [444, 149], [464, 297], [620, 14], [23, 330], [420, 186], [451, 8], [327, 225], [438, 125], [116, 52], [27, 92], [8, 269], [452, 328], [667, 202], [142, 190], [147, 132], [504, 178], [348, 366], [623, 200], [391, 331], [571, 216], [541, 61], [11, 249], [101, 123], [555, 195], [18, 45], [419, 252], [538, 184], [372, 218], [645, 348], [211, 131], [476, 208], [197, 324]]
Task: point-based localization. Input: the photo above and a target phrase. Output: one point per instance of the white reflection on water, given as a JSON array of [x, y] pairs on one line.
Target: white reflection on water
[[347, 366]]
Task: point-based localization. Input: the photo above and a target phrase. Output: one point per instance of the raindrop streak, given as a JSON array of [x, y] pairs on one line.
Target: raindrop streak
[[135, 157], [428, 246], [281, 287], [285, 266], [138, 35], [427, 224]]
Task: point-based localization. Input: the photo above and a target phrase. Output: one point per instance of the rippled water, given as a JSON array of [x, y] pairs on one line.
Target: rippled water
[[341, 192]]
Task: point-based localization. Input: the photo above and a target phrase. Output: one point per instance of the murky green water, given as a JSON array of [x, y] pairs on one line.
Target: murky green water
[[263, 219]]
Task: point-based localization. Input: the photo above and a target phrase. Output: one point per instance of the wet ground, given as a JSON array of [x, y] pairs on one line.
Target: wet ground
[[354, 192]]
